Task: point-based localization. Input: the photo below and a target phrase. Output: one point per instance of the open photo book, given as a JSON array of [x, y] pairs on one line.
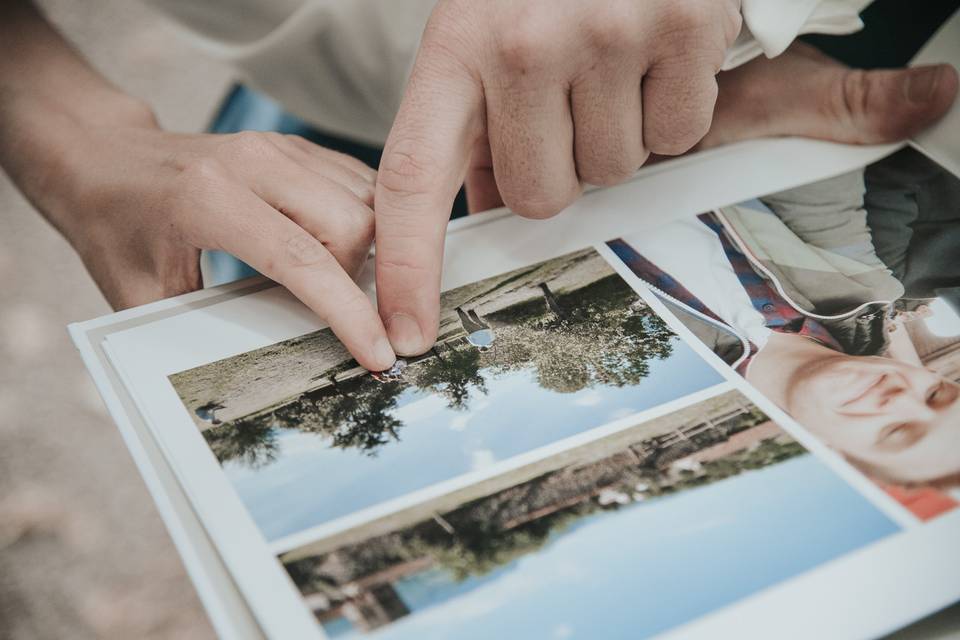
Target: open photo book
[[720, 399]]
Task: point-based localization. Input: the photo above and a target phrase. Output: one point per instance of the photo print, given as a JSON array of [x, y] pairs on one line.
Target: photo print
[[524, 360], [628, 535], [838, 301]]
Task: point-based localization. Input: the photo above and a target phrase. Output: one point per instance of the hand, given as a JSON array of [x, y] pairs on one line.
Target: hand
[[139, 203], [146, 202], [805, 93], [143, 203], [545, 94]]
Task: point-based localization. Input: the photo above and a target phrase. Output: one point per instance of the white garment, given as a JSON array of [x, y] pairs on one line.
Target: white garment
[[702, 267], [342, 65], [769, 26]]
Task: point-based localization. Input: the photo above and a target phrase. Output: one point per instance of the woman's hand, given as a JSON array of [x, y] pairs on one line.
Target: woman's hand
[[139, 203]]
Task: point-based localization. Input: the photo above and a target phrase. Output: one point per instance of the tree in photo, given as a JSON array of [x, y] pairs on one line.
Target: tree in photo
[[453, 373], [354, 415], [251, 442]]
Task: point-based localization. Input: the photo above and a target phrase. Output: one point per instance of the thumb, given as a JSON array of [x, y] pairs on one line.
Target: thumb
[[883, 106], [804, 93]]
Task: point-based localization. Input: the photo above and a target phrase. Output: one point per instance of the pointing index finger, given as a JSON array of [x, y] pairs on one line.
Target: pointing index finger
[[423, 166]]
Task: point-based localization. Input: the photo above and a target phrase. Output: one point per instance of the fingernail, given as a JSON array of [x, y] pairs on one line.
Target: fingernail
[[922, 83], [405, 335], [383, 354]]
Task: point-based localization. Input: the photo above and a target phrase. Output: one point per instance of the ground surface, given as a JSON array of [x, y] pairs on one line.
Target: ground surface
[[251, 382]]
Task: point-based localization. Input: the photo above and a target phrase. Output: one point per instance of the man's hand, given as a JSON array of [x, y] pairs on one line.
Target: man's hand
[[547, 94], [802, 92]]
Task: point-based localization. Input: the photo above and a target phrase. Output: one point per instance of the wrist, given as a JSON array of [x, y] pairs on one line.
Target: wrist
[[56, 112], [49, 147]]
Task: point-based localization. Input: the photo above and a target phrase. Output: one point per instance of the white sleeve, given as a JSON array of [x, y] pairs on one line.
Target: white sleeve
[[769, 26]]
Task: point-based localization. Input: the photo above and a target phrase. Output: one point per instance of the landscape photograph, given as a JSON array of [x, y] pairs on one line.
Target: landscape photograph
[[524, 360], [608, 543]]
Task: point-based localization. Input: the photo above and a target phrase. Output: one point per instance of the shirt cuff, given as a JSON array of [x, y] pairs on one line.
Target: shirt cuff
[[770, 26]]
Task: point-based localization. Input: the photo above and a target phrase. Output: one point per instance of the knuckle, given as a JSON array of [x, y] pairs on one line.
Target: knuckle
[[607, 171], [613, 28], [526, 46], [200, 178], [686, 17], [356, 229], [272, 137], [860, 103], [676, 126], [356, 165], [303, 251], [296, 139], [677, 139], [675, 143], [366, 194], [537, 206], [249, 145], [848, 99], [366, 226], [406, 173]]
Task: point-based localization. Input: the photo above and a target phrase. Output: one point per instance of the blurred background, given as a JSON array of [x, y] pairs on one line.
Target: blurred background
[[83, 553]]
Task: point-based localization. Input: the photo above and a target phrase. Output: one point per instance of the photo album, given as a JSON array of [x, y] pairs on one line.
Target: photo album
[[722, 398]]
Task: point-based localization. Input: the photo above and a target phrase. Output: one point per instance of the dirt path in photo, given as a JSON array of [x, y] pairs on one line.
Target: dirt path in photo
[[252, 382]]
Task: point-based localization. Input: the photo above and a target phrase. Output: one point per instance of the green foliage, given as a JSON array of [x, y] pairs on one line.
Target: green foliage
[[600, 334], [453, 374], [250, 442], [354, 415], [480, 543]]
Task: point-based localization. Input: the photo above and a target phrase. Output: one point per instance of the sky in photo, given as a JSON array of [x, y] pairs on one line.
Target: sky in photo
[[649, 567], [310, 483]]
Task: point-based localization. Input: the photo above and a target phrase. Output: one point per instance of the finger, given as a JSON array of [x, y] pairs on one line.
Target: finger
[[678, 101], [870, 107], [803, 93], [337, 167], [531, 139], [345, 160], [247, 227], [329, 212], [482, 191], [423, 166], [608, 126]]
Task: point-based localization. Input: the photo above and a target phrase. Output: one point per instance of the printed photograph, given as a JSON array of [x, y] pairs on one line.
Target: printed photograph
[[839, 301], [631, 535], [524, 360]]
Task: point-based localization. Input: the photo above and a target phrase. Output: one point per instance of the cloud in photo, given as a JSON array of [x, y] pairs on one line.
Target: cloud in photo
[[591, 398], [481, 459], [461, 421]]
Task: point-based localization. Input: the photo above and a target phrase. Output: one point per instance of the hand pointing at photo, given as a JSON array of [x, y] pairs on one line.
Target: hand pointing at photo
[[556, 94], [490, 120]]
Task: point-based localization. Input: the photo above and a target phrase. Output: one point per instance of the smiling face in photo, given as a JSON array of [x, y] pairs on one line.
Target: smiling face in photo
[[901, 419]]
